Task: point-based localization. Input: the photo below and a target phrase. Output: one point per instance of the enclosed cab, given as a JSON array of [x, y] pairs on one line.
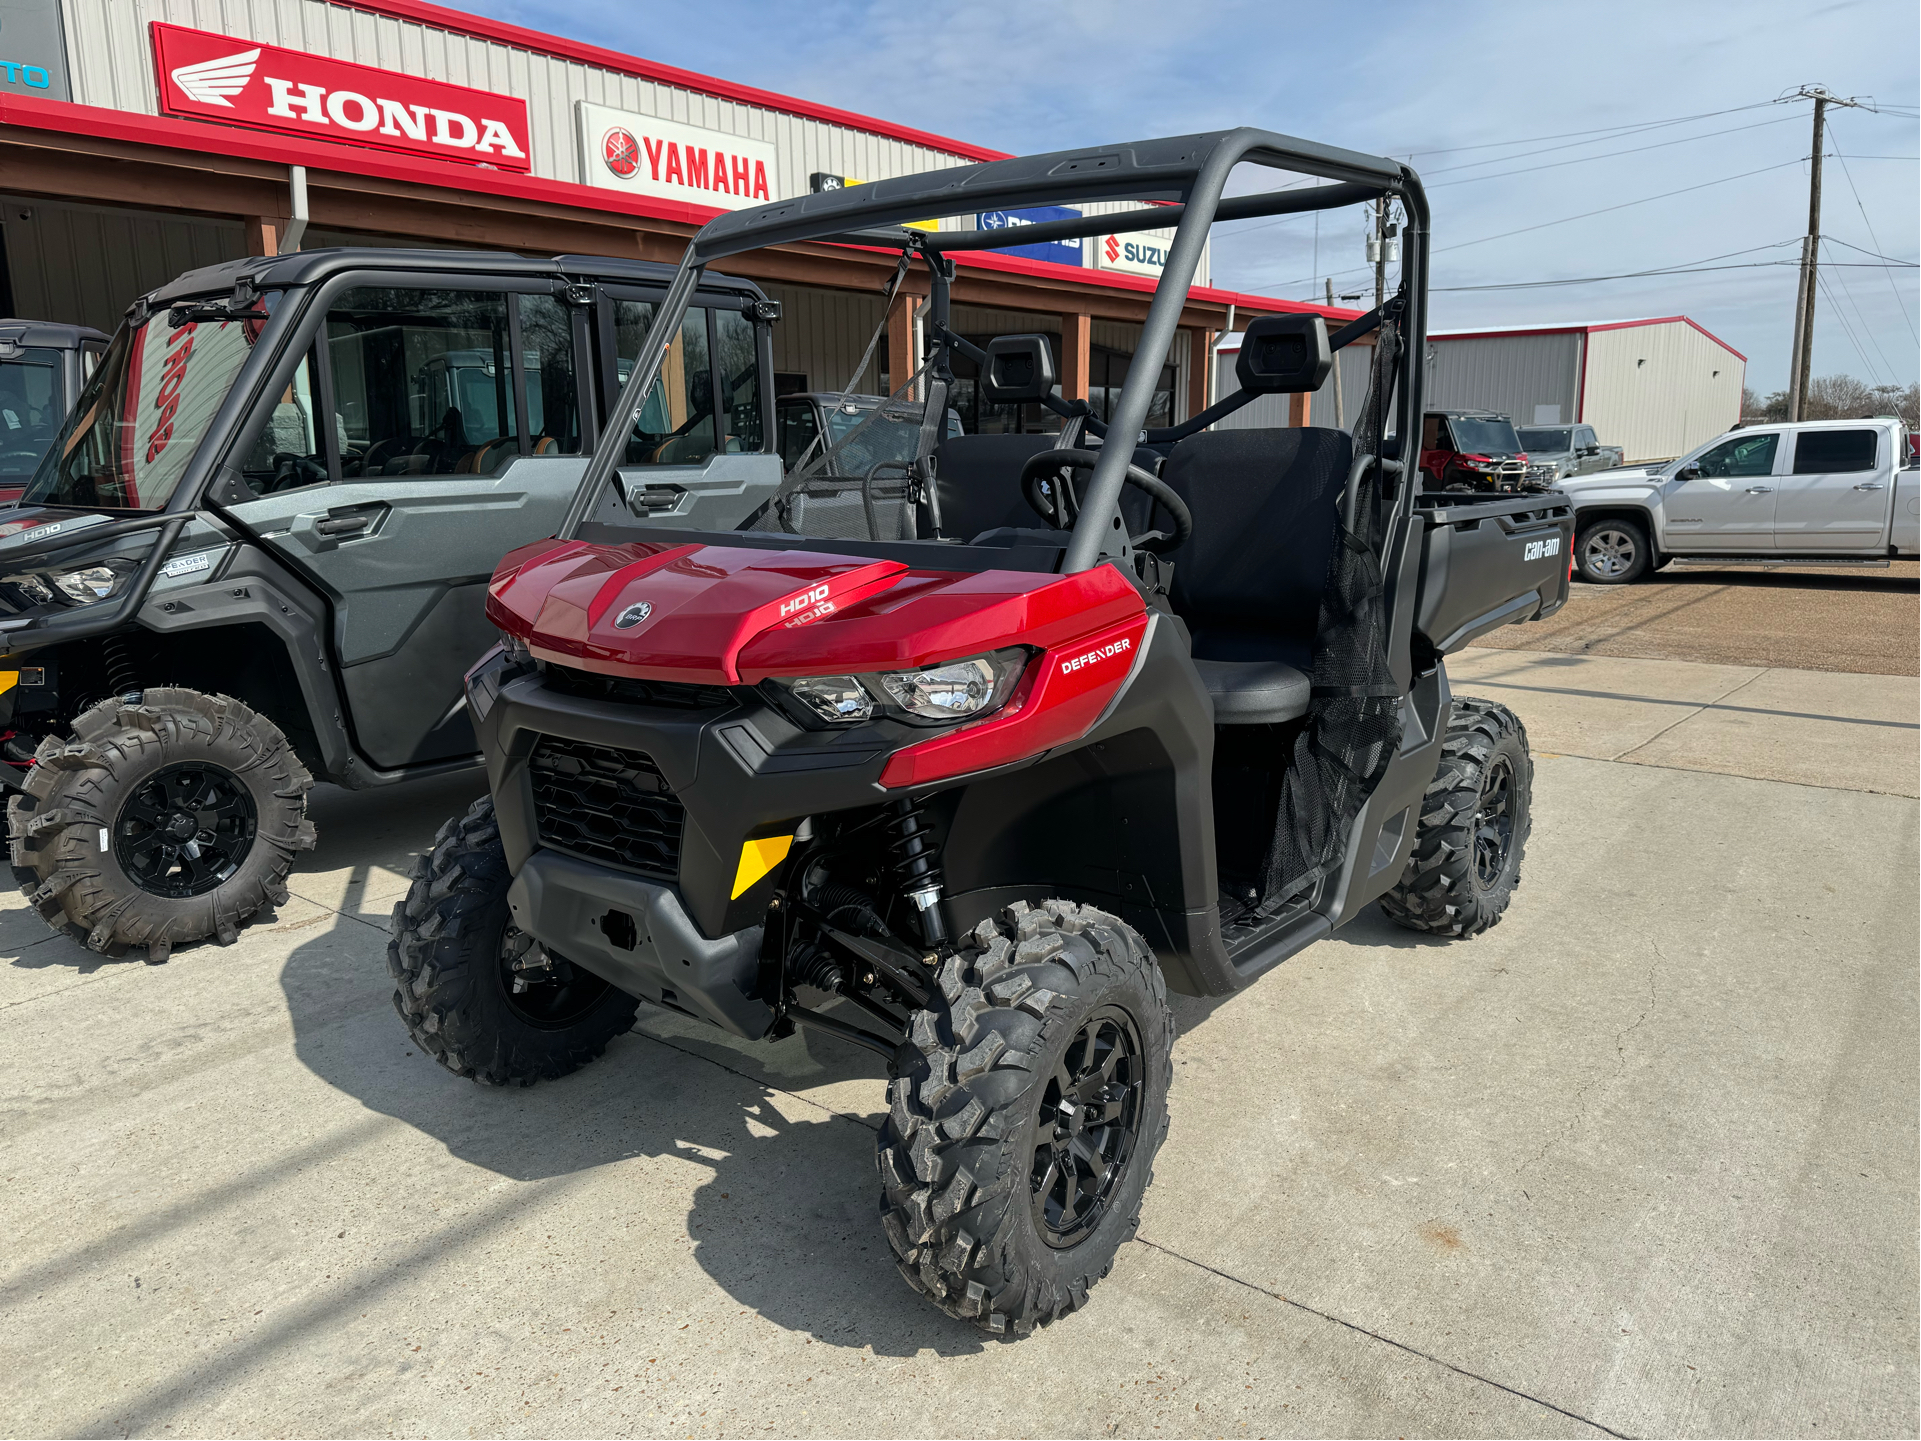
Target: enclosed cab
[[42, 368], [1478, 450], [271, 518]]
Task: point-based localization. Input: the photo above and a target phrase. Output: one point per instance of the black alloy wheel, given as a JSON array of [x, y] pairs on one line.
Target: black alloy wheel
[[185, 831], [550, 997], [1494, 824], [1087, 1126]]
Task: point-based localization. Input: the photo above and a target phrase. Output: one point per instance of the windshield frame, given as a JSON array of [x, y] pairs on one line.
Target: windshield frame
[[1458, 430], [282, 304], [1185, 176]]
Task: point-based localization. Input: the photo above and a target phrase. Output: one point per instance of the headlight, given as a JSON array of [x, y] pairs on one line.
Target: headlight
[[943, 694], [33, 587], [88, 584]]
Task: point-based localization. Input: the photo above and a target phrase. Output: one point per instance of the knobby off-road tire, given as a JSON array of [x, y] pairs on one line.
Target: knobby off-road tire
[[966, 1196], [1474, 826], [1612, 551], [90, 838], [451, 958]]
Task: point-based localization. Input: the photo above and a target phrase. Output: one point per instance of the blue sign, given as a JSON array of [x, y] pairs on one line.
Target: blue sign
[[1061, 252]]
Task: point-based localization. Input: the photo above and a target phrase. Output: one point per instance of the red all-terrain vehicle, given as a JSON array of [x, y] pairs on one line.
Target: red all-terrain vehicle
[[971, 758]]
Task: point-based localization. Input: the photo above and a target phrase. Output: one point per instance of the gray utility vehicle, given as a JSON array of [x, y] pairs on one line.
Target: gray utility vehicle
[[972, 771], [42, 367], [257, 552], [1821, 492], [1570, 449]]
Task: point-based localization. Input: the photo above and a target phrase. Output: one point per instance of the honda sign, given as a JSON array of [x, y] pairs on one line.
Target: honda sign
[[237, 82]]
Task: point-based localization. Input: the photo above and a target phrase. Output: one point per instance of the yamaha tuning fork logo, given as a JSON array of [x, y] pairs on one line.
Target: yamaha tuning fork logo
[[633, 615]]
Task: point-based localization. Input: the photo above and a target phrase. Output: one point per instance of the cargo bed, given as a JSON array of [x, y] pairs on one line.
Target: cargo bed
[[1489, 561]]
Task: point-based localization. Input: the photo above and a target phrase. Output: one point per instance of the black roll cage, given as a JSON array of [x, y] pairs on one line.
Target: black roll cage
[[1183, 175]]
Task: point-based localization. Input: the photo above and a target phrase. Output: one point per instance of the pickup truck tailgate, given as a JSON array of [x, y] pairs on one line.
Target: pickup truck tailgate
[[1487, 562]]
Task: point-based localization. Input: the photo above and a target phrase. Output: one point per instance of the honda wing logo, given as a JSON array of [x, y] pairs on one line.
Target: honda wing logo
[[212, 81]]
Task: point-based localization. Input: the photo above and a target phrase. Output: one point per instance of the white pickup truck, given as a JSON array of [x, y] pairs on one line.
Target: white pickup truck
[[1827, 489]]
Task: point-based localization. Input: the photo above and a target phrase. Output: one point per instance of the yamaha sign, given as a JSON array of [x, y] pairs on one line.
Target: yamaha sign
[[237, 82], [645, 155]]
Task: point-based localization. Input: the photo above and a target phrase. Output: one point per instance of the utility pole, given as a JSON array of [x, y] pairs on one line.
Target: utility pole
[[1801, 362], [1340, 406]]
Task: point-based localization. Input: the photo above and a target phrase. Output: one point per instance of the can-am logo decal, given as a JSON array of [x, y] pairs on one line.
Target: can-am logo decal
[[633, 615], [800, 602], [1541, 549], [1105, 652], [219, 77]]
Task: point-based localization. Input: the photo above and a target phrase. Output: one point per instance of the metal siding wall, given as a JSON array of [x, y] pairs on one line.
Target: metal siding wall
[[1508, 373], [84, 264], [1671, 403], [821, 335], [1266, 412], [112, 65]]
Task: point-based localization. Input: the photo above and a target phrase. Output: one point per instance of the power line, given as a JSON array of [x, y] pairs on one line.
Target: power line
[[1899, 299], [1604, 155], [1894, 259], [1614, 131], [1624, 205], [1846, 329]]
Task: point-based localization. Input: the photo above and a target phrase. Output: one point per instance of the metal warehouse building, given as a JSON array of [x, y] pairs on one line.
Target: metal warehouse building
[[143, 138], [1653, 387]]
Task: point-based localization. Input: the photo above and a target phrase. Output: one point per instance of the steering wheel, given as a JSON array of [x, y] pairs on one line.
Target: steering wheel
[[1063, 508]]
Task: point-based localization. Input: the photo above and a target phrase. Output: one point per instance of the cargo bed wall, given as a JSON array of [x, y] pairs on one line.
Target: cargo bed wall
[[1488, 563]]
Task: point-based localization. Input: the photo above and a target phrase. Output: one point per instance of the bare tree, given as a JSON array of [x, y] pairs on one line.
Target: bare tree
[[1837, 397]]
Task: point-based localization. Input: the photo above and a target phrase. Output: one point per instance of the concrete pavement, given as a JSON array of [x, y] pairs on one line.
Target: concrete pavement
[[1640, 1160]]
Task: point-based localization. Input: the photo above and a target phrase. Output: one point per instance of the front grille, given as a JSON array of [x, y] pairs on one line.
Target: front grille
[[606, 805], [660, 694]]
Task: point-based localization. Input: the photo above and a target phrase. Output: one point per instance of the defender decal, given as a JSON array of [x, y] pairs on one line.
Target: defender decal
[[1106, 652]]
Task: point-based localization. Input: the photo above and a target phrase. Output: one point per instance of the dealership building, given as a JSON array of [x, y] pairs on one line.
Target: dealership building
[[136, 144]]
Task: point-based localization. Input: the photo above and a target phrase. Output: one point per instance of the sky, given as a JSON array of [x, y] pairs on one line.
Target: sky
[[1494, 103]]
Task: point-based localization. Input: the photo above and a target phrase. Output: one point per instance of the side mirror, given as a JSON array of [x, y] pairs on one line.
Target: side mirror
[[1688, 472], [1284, 354], [1590, 450], [1018, 368]]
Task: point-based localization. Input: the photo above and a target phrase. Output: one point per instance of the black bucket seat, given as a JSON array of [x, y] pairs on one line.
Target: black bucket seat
[[1266, 507]]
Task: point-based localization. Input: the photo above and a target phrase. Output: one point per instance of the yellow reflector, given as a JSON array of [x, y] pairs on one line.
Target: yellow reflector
[[8, 680], [757, 858]]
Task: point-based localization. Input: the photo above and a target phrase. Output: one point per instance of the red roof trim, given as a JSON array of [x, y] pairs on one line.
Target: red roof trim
[[1670, 320], [201, 137], [1590, 330], [499, 32]]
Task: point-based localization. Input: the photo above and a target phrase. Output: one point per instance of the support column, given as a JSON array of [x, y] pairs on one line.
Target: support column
[[901, 360], [1200, 361], [1076, 357], [263, 234], [1299, 405]]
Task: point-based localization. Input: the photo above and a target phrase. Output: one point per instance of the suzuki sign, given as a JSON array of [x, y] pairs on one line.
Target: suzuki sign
[[1137, 254], [622, 150], [217, 77]]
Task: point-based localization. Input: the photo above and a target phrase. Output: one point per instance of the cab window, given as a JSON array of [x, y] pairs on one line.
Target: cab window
[[547, 357], [422, 382], [676, 425], [796, 428], [1833, 452], [1742, 456], [288, 453], [737, 357]]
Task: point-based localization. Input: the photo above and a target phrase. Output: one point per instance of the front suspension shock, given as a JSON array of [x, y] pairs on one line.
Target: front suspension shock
[[915, 856]]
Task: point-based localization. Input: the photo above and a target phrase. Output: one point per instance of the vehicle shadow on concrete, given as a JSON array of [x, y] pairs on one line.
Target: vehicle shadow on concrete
[[786, 1222]]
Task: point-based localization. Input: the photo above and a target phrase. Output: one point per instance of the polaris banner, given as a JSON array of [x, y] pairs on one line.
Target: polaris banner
[[238, 82], [1061, 252]]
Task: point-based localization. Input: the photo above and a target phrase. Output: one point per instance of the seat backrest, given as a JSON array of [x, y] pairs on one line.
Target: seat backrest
[[1266, 507], [978, 478]]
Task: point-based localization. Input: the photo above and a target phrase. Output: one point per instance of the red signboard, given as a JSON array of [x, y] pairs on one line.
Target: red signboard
[[238, 82]]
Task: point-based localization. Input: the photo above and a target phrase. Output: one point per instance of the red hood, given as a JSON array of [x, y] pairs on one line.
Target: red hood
[[729, 615]]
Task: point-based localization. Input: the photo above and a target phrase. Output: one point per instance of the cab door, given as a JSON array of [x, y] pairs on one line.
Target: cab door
[[1724, 498], [433, 429], [1834, 493]]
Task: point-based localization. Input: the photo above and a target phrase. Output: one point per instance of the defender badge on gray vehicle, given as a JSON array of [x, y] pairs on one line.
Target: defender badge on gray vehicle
[[633, 615]]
